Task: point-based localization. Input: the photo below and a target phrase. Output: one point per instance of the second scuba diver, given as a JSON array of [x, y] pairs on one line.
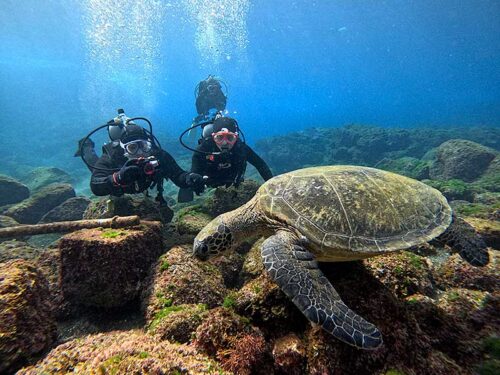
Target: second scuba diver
[[222, 158]]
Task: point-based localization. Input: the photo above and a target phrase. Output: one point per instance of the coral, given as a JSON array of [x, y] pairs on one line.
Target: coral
[[107, 268], [186, 280], [229, 266], [177, 323], [452, 189], [128, 352], [27, 324], [461, 303], [404, 273], [31, 210], [455, 272]]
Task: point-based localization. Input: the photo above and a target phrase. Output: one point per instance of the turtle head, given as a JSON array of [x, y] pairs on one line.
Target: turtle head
[[215, 238]]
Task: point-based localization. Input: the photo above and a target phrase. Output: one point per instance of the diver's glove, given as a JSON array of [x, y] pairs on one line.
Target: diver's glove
[[127, 175], [195, 182]]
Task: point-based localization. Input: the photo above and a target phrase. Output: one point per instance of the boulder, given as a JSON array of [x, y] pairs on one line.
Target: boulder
[[70, 210], [12, 191], [289, 355], [240, 348], [178, 323], [461, 159], [31, 210], [27, 324], [192, 219], [14, 249], [106, 267], [407, 166], [457, 273], [179, 278], [488, 229], [228, 199], [123, 352], [127, 205], [41, 177]]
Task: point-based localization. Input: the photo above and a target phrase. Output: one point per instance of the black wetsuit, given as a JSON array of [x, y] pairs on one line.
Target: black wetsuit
[[229, 167], [101, 182]]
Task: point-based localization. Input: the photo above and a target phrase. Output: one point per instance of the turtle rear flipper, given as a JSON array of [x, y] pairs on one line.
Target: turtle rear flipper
[[463, 239], [294, 269]]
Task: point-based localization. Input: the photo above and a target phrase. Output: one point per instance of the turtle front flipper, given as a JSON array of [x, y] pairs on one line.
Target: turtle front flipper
[[463, 239], [294, 269]]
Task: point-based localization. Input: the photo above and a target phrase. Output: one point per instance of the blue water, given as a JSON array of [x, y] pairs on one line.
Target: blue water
[[67, 65]]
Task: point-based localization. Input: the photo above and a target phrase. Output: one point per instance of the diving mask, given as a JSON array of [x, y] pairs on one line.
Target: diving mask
[[133, 147], [224, 137]]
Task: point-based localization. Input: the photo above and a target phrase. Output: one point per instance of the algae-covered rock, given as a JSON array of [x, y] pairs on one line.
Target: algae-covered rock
[[143, 206], [263, 301], [107, 267], [407, 166], [14, 249], [120, 353], [455, 272], [228, 199], [5, 222], [27, 324], [404, 273], [462, 303], [453, 189], [488, 229], [253, 265], [12, 191], [461, 159], [179, 278], [178, 322], [229, 266], [192, 219], [69, 210], [31, 210], [289, 355], [238, 346], [41, 177]]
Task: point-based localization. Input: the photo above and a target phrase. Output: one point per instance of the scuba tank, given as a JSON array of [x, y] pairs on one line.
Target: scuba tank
[[116, 126]]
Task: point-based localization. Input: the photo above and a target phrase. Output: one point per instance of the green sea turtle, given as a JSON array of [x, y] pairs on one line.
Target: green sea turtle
[[337, 213]]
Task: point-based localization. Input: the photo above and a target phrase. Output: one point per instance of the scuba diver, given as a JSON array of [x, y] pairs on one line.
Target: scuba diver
[[133, 162], [210, 101], [222, 159]]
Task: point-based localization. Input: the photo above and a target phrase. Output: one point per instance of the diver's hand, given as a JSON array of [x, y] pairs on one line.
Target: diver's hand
[[127, 175], [195, 182]]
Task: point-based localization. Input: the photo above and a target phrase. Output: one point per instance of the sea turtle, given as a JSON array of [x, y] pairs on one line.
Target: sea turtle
[[337, 213]]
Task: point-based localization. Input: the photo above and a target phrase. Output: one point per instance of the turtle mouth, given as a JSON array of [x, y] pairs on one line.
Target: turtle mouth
[[200, 250]]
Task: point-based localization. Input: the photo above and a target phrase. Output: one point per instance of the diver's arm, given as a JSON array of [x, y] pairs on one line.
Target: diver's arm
[[171, 170], [258, 163], [198, 162], [101, 182]]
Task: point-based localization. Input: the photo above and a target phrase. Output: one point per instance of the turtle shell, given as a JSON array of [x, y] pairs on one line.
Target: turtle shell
[[352, 212]]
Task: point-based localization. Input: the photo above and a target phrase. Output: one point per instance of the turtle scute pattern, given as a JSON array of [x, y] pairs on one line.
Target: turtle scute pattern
[[358, 209]]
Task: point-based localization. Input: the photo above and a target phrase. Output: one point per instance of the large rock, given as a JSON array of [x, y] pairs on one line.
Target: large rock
[[12, 191], [107, 267], [179, 278], [31, 210], [228, 199], [41, 177], [488, 229], [129, 352], [14, 249], [461, 159], [27, 324], [127, 205], [70, 210]]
